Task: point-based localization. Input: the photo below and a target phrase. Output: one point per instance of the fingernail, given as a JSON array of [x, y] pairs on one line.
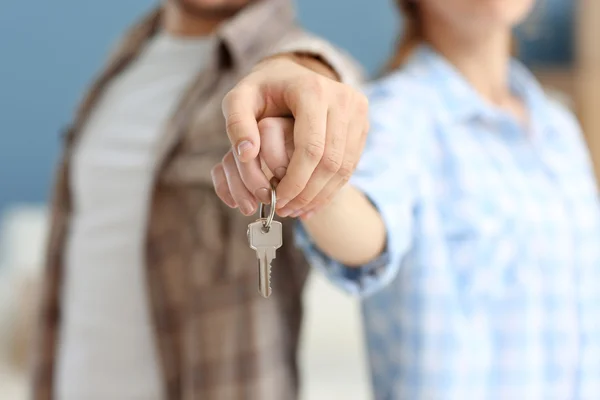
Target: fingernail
[[231, 203], [247, 207], [280, 172], [243, 146], [285, 213], [296, 213], [264, 195]]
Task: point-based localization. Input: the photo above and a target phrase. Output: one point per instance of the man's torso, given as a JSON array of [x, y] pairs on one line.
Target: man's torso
[[107, 347], [216, 336]]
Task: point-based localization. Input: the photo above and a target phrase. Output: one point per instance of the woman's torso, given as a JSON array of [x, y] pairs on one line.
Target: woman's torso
[[499, 296]]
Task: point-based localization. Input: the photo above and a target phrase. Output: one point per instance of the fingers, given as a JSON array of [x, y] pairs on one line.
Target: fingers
[[254, 179], [277, 135], [238, 183], [240, 194], [328, 132], [358, 132], [330, 163], [241, 106], [310, 110], [273, 152], [357, 136], [221, 186]]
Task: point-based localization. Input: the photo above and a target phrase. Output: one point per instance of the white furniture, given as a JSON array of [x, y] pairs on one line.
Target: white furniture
[[332, 357], [22, 241]]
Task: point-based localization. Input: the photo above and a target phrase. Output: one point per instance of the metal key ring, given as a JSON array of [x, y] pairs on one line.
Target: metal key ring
[[269, 219]]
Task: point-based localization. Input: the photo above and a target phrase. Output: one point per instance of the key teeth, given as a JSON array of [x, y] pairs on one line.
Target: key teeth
[[270, 289], [269, 281]]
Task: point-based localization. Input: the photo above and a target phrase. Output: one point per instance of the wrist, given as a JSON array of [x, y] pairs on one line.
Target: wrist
[[341, 195], [336, 203], [309, 61]]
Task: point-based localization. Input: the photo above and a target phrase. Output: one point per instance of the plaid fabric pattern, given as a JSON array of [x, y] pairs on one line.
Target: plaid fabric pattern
[[490, 285], [217, 338]]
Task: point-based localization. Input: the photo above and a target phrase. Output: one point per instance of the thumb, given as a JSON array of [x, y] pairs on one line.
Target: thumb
[[241, 107]]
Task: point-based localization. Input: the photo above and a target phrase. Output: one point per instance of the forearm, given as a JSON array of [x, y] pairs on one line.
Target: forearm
[[349, 230]]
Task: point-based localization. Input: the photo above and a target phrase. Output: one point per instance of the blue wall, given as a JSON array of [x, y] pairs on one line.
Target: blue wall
[[50, 50], [547, 38]]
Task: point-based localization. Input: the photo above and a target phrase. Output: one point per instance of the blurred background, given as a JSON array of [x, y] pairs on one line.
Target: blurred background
[[49, 51]]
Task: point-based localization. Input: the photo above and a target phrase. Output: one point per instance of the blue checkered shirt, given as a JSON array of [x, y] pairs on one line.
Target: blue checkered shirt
[[489, 287]]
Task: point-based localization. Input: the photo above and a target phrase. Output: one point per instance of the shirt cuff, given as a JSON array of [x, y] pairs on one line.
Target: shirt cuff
[[359, 281], [302, 42]]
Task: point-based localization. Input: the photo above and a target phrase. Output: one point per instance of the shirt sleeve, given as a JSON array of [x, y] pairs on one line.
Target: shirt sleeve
[[300, 41], [388, 174]]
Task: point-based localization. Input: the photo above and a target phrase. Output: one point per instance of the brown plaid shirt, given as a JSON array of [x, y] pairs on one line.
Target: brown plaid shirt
[[217, 337]]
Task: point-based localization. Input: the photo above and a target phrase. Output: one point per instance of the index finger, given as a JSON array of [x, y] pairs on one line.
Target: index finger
[[241, 107]]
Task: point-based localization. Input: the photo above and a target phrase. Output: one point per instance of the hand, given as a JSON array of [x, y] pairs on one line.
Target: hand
[[232, 178], [328, 132]]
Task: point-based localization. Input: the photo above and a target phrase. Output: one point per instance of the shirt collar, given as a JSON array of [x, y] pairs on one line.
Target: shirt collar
[[525, 85], [461, 101], [254, 29], [243, 38]]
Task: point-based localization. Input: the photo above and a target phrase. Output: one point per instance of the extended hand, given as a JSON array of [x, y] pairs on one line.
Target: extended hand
[[326, 128]]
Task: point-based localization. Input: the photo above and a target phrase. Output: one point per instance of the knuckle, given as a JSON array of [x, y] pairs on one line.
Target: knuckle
[[234, 120], [332, 163], [343, 99], [301, 201], [314, 150], [295, 189], [346, 170], [298, 187], [314, 85], [267, 124]]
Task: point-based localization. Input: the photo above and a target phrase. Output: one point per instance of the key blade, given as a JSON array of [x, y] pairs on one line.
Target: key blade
[[264, 275]]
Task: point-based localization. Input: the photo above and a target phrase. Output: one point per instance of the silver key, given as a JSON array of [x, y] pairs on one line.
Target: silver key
[[265, 240], [265, 236]]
